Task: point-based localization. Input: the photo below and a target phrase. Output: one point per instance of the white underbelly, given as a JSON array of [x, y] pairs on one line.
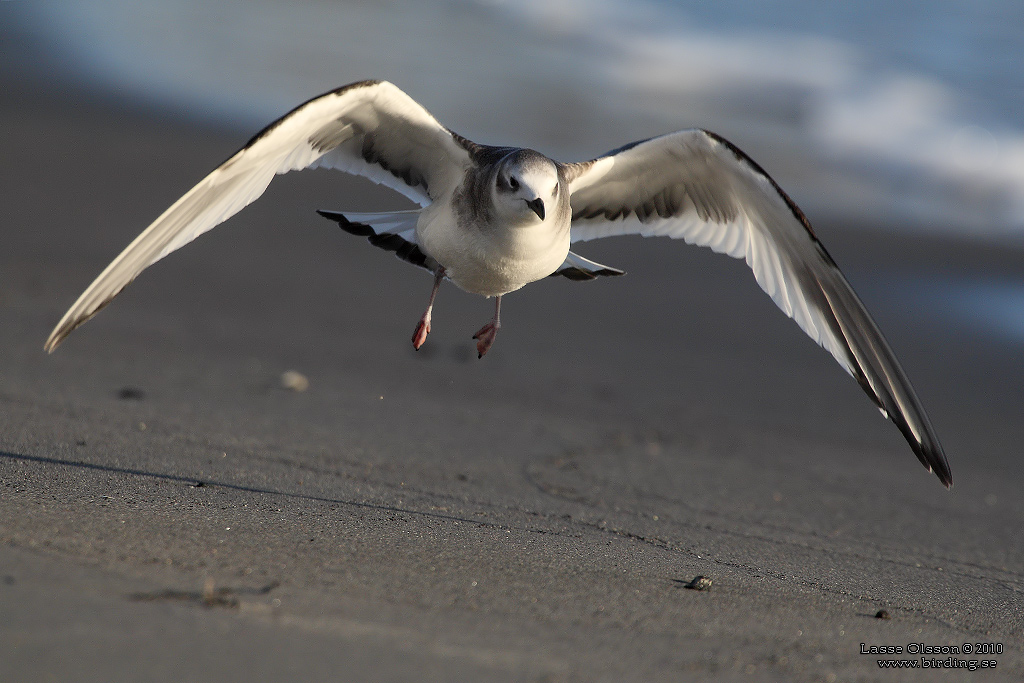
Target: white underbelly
[[496, 276], [493, 265]]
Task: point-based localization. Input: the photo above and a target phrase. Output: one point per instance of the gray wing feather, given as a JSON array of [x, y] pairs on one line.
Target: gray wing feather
[[698, 187], [370, 128]]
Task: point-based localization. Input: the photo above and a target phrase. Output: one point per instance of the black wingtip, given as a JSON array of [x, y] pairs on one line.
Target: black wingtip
[[941, 470], [944, 475], [929, 452], [932, 457]]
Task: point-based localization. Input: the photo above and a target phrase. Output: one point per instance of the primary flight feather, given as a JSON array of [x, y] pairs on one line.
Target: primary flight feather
[[493, 219]]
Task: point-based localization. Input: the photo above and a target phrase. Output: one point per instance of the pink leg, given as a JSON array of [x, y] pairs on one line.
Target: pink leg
[[423, 328], [485, 336]]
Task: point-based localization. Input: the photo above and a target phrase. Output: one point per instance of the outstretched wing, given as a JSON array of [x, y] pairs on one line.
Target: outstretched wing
[[696, 186], [370, 128]]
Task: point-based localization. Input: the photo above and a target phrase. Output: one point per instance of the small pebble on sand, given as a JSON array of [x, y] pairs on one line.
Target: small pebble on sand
[[700, 583], [293, 380]]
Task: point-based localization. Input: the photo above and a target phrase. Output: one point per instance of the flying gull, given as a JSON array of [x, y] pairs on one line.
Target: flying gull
[[493, 219]]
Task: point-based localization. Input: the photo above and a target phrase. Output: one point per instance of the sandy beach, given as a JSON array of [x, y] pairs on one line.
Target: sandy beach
[[169, 512]]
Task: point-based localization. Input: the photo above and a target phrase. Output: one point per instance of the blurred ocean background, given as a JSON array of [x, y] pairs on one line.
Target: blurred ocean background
[[894, 115], [897, 113]]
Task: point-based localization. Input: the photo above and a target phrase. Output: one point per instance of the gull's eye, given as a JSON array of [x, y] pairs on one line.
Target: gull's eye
[[513, 183]]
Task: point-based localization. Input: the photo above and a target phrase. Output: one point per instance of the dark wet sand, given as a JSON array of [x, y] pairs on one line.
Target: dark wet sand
[[168, 513]]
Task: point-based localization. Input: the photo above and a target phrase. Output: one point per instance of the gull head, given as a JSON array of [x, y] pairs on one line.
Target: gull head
[[525, 187]]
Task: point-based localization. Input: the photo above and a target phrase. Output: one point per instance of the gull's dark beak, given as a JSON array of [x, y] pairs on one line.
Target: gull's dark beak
[[538, 206]]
